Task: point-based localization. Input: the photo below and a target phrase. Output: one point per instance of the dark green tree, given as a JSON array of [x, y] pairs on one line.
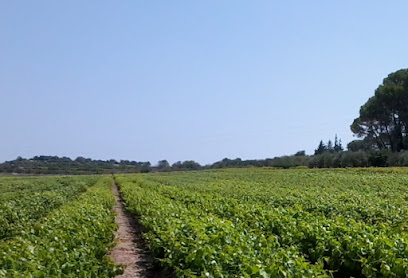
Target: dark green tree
[[163, 165], [186, 165], [301, 153], [337, 145], [145, 167], [361, 145], [384, 117], [321, 148], [330, 147], [191, 165]]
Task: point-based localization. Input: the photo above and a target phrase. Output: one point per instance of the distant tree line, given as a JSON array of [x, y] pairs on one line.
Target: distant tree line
[[45, 165], [188, 165], [379, 158], [326, 155], [54, 165]]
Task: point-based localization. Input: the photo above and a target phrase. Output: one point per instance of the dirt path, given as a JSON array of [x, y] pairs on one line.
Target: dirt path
[[129, 251]]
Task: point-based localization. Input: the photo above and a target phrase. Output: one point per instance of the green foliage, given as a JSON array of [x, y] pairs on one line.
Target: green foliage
[[64, 165], [71, 241], [186, 165], [163, 165], [360, 145], [300, 153], [321, 148], [195, 243], [329, 147], [25, 200], [383, 119], [275, 223]]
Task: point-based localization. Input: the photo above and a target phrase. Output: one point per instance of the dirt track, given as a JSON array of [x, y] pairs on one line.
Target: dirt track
[[129, 251]]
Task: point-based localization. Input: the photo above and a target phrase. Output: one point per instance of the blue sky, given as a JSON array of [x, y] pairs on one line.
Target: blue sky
[[180, 80]]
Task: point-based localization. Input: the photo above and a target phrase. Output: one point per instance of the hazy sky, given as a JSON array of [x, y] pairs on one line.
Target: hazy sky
[[180, 80]]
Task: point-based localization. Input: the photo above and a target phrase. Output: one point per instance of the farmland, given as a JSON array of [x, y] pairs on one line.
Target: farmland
[[275, 223], [56, 227], [252, 222]]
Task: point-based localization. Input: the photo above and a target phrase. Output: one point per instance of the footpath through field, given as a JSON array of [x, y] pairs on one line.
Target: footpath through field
[[129, 251]]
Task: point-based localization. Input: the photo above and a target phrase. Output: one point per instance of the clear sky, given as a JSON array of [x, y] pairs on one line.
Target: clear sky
[[181, 80]]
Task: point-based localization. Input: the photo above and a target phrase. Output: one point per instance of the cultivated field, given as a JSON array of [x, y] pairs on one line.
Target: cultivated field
[[275, 223], [222, 223], [56, 227]]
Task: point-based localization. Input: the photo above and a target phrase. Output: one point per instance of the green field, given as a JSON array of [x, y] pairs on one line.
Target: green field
[[275, 223], [253, 222], [56, 227]]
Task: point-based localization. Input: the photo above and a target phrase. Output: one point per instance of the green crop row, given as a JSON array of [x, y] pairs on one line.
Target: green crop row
[[372, 196], [18, 185], [345, 245], [32, 201], [71, 241], [195, 243]]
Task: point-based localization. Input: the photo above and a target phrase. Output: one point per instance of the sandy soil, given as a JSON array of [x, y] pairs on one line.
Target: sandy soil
[[130, 251]]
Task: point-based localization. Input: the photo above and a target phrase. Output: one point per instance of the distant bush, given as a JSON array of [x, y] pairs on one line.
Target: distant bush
[[354, 159]]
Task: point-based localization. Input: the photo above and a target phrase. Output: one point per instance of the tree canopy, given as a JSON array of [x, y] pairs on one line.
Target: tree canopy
[[323, 148], [383, 120]]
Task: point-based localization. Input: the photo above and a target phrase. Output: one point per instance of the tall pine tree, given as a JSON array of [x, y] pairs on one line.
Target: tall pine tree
[[337, 145], [321, 148]]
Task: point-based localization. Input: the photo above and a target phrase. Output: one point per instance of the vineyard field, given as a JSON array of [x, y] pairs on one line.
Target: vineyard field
[[56, 227], [274, 223], [249, 222]]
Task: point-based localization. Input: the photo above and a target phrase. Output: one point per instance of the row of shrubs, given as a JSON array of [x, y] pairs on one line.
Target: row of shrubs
[[379, 158]]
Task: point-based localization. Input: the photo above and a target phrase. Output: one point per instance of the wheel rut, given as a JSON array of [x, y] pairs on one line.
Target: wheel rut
[[130, 251]]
